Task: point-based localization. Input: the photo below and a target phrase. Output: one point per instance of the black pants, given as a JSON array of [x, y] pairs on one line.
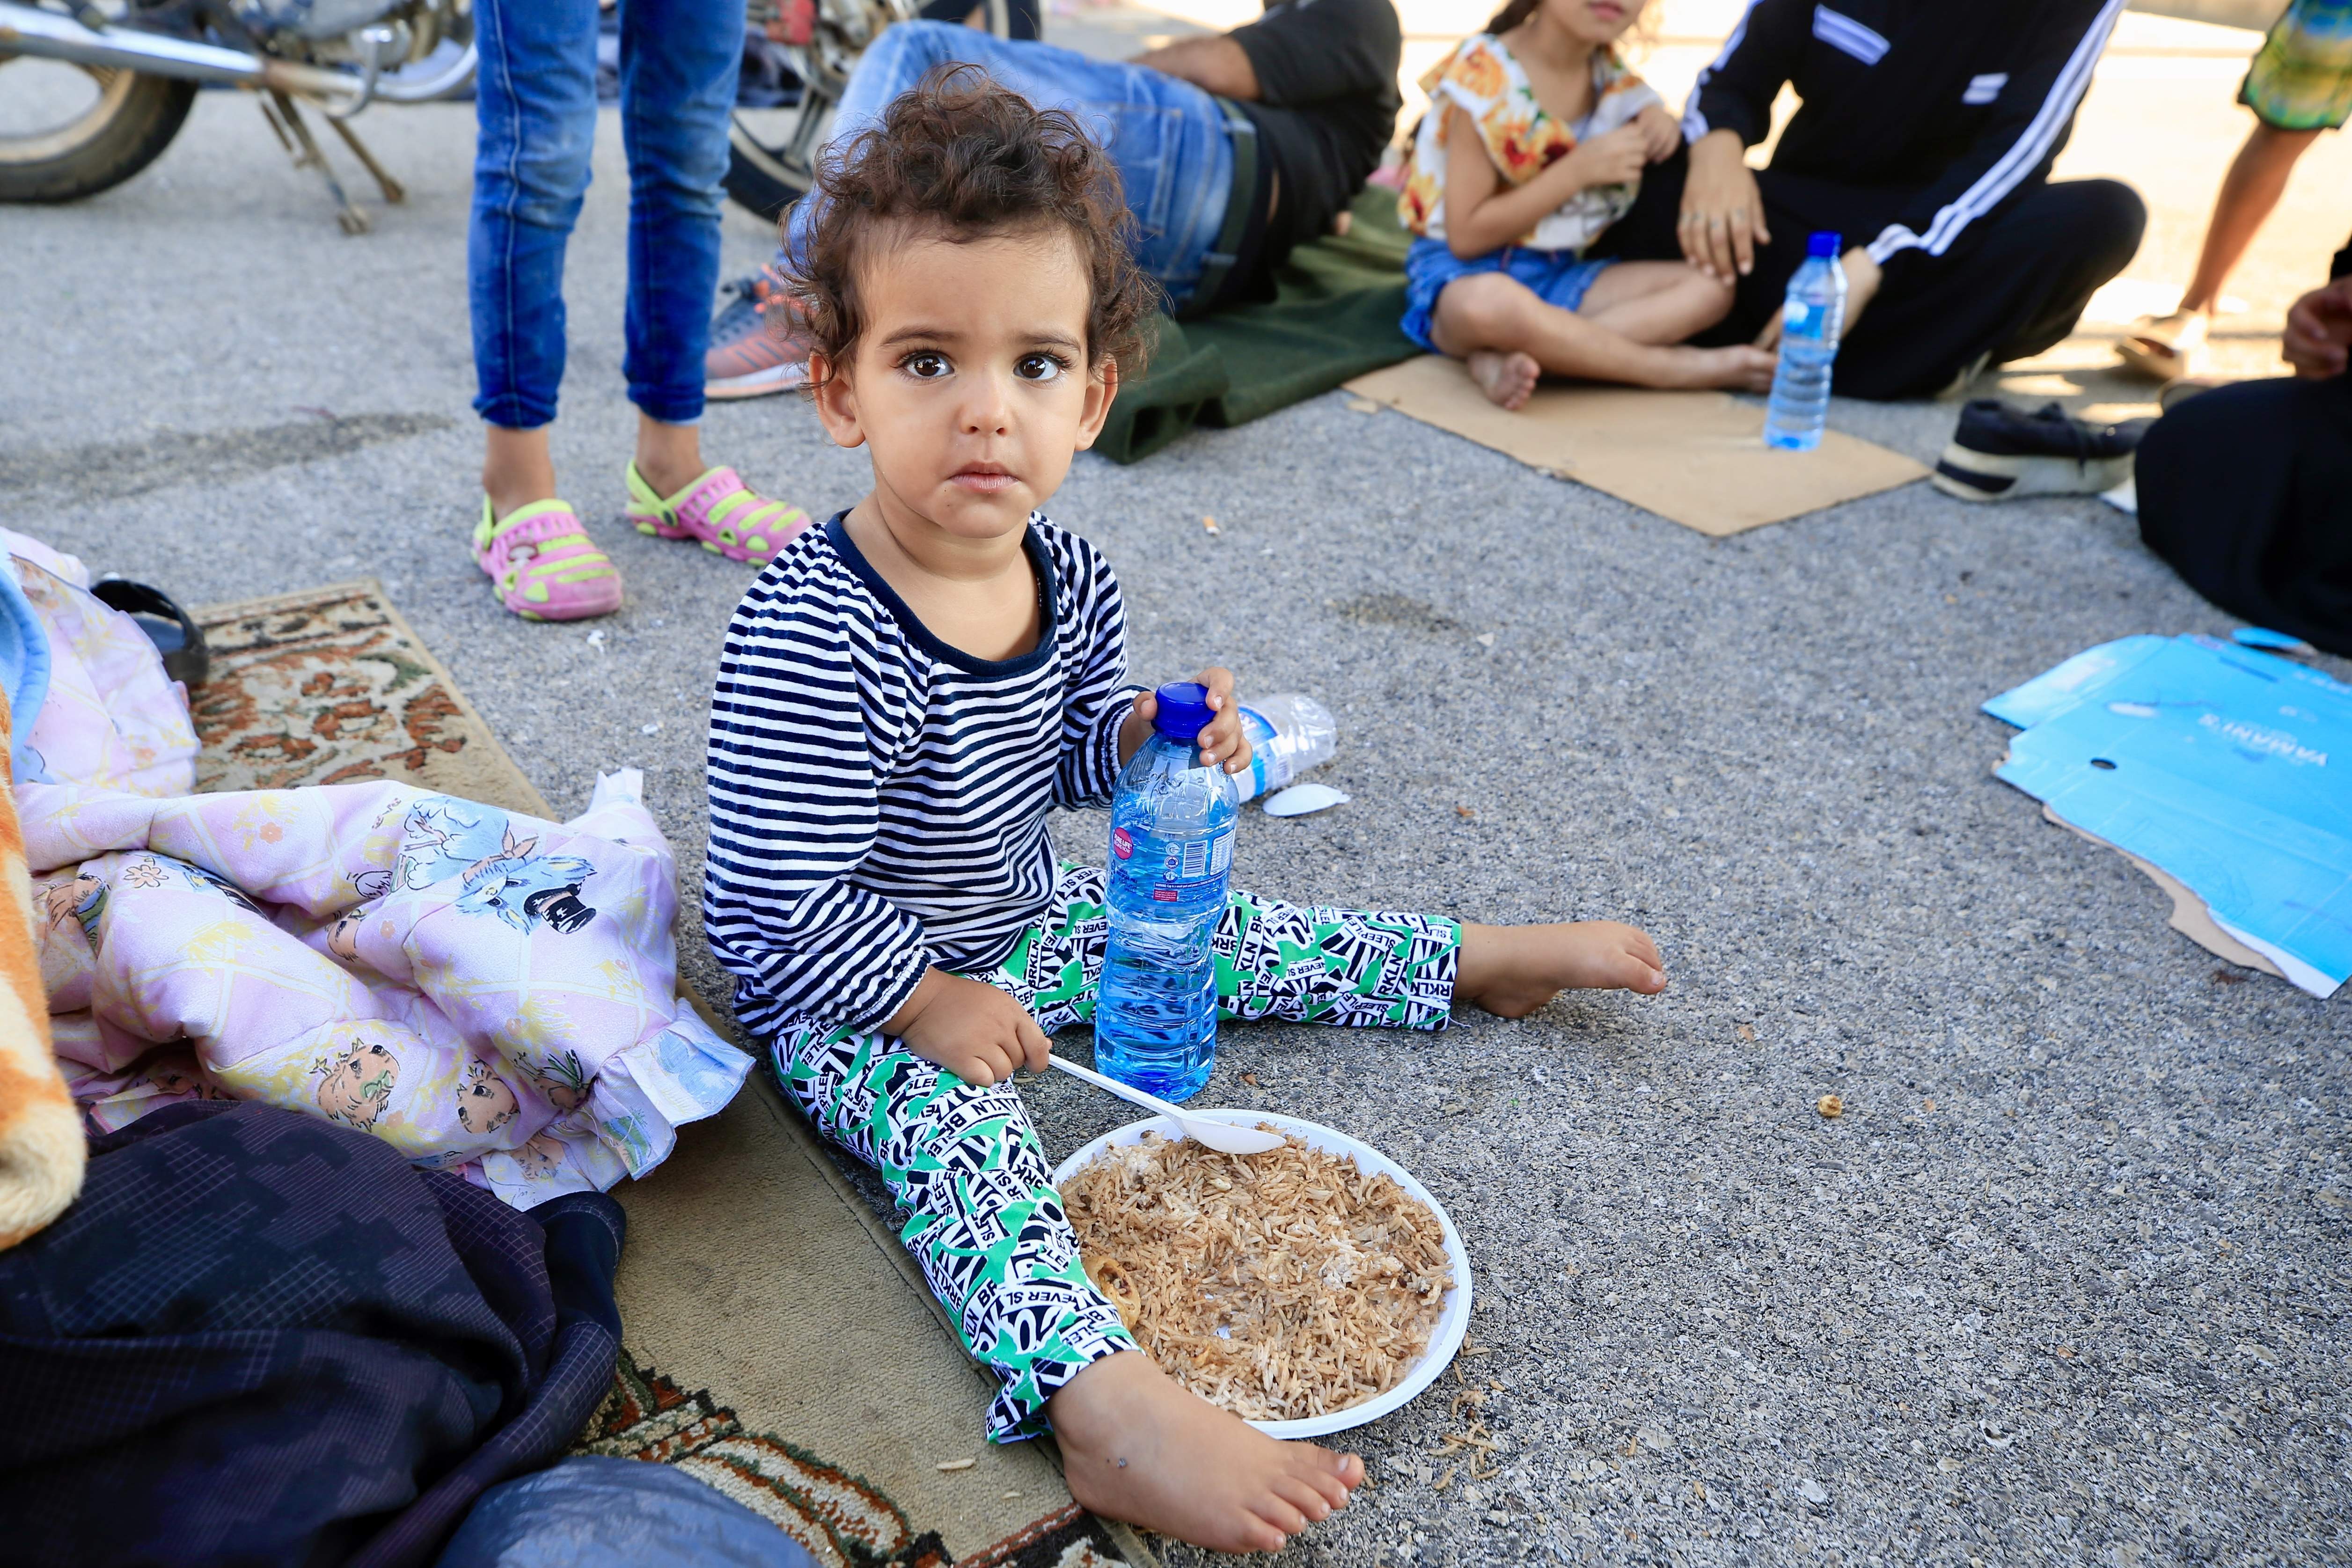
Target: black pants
[[2247, 491], [2012, 286]]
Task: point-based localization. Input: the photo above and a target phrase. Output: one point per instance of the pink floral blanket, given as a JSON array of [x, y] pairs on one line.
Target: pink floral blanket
[[484, 991]]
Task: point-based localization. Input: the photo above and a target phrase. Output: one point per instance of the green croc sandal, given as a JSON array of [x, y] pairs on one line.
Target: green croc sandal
[[719, 508], [542, 564]]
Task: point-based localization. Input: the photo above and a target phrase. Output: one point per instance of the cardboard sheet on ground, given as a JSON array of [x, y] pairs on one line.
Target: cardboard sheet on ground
[[2226, 768], [1694, 458]]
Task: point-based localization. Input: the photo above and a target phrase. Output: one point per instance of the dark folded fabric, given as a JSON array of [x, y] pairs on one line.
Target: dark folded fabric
[[2247, 491], [1334, 316], [260, 1339]]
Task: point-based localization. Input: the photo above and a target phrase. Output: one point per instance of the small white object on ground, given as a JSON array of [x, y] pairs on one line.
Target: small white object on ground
[[621, 784], [2124, 497], [1300, 799], [1812, 1491], [652, 728], [957, 1463]]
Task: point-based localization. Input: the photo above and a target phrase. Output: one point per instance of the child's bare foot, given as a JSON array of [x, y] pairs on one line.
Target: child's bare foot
[[1511, 971], [1141, 1449], [1742, 367], [1509, 379]]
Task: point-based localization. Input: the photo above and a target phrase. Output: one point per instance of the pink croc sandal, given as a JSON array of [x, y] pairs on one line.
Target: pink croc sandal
[[542, 564], [726, 515]]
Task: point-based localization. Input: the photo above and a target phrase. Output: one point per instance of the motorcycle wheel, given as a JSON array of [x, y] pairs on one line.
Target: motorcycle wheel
[[87, 149], [771, 153]]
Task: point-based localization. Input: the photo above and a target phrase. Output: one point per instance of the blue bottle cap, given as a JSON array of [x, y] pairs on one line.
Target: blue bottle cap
[[1184, 710], [1823, 242]]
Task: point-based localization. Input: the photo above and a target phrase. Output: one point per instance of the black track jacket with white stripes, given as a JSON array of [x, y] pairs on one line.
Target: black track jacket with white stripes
[[1957, 104], [879, 798]]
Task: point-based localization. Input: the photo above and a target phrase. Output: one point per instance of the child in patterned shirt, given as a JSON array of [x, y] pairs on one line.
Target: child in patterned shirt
[[903, 696], [1533, 145]]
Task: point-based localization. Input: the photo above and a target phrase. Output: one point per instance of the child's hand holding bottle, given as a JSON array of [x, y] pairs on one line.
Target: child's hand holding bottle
[[1223, 742]]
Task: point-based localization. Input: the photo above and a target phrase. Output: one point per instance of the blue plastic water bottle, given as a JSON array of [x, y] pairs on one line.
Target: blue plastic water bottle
[[1811, 322], [1171, 849]]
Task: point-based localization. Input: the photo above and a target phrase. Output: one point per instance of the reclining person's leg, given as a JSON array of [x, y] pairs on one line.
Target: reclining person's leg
[[1167, 136]]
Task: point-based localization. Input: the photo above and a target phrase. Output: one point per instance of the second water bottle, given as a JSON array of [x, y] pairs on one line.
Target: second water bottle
[[1811, 323], [1172, 853]]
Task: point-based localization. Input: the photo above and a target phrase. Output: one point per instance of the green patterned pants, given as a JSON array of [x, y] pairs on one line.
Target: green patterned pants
[[982, 1218]]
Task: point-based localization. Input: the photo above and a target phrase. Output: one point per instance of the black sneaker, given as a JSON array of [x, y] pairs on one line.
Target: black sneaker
[[2000, 453]]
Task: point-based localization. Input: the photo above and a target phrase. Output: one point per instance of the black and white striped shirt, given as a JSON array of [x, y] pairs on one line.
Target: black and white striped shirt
[[878, 798]]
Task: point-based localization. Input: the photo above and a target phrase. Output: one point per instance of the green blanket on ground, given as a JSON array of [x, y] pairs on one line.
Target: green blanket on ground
[[1334, 316]]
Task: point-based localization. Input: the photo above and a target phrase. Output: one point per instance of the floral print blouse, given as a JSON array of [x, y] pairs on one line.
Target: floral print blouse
[[1484, 80]]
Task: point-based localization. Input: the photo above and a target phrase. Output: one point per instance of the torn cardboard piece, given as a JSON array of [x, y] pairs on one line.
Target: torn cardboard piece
[[2222, 773], [2189, 916], [1694, 458]]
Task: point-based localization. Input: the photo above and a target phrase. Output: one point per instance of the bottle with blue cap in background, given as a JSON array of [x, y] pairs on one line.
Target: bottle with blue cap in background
[[1811, 322], [1171, 854]]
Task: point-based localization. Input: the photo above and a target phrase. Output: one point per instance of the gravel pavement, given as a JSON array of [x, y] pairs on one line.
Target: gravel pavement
[[2068, 1280]]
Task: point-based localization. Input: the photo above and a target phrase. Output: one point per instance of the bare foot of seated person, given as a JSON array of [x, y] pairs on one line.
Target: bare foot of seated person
[[1139, 1448], [1509, 379], [1511, 971]]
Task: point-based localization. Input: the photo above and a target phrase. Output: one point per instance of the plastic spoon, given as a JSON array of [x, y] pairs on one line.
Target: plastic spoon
[[1222, 1136]]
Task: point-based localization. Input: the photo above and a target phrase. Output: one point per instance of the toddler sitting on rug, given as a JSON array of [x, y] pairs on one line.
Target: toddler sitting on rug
[[1533, 145], [905, 693]]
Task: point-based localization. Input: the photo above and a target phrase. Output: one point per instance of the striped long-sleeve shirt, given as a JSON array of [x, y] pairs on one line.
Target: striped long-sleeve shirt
[[1957, 106], [879, 798]]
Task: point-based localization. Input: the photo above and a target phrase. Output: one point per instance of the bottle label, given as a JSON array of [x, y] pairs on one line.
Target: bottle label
[[1120, 844], [1194, 861]]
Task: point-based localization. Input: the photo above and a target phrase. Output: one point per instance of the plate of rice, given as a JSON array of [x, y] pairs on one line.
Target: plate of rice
[[1308, 1289]]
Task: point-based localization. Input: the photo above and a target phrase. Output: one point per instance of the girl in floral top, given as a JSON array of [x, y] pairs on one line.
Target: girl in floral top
[[1534, 143]]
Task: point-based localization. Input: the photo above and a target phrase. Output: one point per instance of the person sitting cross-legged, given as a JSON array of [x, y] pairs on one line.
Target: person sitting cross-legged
[[1534, 144]]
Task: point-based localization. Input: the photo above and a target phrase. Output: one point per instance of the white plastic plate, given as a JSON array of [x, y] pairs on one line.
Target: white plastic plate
[[1452, 1323]]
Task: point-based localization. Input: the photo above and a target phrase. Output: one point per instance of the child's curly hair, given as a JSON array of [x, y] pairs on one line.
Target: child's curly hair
[[962, 155]]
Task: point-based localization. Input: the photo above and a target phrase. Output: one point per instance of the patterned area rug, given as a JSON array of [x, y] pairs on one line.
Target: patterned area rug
[[782, 1345], [330, 686]]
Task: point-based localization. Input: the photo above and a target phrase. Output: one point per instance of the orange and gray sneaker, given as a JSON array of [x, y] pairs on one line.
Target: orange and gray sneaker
[[542, 564], [754, 350]]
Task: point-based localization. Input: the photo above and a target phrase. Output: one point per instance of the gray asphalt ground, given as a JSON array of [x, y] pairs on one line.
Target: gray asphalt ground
[[2066, 1282]]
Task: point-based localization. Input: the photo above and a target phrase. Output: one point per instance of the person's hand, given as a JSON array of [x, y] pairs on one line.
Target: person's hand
[[2319, 331], [1862, 280], [1614, 158], [1722, 220], [971, 1028], [1222, 740], [1661, 133]]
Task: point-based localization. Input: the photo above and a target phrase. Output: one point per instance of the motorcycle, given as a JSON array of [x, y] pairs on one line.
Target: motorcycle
[[771, 152], [92, 92], [131, 67]]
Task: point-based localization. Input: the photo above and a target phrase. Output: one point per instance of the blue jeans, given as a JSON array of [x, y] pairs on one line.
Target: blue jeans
[[536, 100], [1558, 278], [1167, 136]]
